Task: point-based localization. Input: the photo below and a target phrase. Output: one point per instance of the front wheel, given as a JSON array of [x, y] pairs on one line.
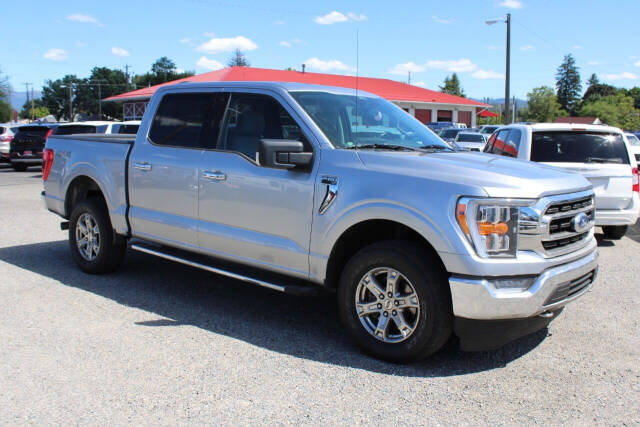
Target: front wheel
[[394, 302], [614, 232], [94, 246]]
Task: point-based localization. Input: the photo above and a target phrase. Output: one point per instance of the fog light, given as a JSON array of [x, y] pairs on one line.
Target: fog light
[[514, 284]]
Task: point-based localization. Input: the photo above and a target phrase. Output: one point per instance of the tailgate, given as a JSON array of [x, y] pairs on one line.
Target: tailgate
[[611, 182], [29, 140]]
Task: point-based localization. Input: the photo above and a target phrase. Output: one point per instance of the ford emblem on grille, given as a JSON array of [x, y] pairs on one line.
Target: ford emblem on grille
[[580, 222]]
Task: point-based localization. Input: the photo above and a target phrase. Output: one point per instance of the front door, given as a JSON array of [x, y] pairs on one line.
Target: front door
[[249, 213]]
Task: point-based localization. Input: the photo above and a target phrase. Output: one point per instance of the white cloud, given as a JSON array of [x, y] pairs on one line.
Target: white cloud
[[597, 63], [209, 64], [576, 47], [56, 54], [335, 17], [179, 70], [217, 45], [357, 17], [442, 20], [421, 84], [527, 47], [622, 76], [330, 65], [81, 17], [512, 4], [487, 74], [285, 43], [456, 65], [637, 63], [403, 69], [118, 51]]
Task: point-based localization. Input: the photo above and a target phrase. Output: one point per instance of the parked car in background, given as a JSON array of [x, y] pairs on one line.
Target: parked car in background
[[600, 153], [449, 135], [472, 141], [634, 145], [6, 135], [286, 186], [75, 128], [27, 145], [473, 129], [129, 127], [489, 129], [438, 126]]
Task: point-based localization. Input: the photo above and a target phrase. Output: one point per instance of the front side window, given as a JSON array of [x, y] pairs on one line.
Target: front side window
[[181, 118], [367, 123], [252, 117], [578, 147]]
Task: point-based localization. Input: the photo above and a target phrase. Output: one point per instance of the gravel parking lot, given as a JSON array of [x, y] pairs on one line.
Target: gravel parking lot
[[162, 343]]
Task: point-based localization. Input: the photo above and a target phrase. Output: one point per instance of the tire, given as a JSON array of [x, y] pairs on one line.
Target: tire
[[430, 323], [614, 232], [19, 167], [111, 247]]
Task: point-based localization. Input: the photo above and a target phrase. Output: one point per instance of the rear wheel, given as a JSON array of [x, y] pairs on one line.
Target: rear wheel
[[614, 232], [19, 167], [94, 245], [393, 301]]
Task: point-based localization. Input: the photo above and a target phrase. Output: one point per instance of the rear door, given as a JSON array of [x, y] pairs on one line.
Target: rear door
[[163, 171], [600, 157]]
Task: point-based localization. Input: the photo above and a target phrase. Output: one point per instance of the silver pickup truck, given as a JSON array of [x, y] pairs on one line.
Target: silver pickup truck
[[300, 188]]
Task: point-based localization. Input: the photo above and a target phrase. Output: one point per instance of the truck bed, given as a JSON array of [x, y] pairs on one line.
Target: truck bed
[[113, 138]]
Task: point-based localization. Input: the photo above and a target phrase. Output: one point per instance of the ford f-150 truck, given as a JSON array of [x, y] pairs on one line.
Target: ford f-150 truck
[[299, 187]]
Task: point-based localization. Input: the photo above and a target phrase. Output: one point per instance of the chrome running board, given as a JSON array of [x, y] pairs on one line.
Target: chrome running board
[[291, 289]]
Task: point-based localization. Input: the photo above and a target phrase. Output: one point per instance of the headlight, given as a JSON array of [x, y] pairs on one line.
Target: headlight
[[491, 225]]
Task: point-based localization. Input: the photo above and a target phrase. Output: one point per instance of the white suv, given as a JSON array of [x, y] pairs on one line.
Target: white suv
[[601, 153]]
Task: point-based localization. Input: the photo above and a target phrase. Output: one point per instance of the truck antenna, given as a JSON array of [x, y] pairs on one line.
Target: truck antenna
[[357, 74]]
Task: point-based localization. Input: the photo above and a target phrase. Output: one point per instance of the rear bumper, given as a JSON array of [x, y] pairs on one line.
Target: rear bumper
[[480, 299], [27, 160], [627, 216]]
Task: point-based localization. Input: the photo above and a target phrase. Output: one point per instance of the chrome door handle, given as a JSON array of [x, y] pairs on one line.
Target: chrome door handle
[[143, 166], [216, 176]]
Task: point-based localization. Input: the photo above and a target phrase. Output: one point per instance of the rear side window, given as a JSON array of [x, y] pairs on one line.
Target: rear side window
[[578, 147], [75, 129], [128, 129], [184, 120]]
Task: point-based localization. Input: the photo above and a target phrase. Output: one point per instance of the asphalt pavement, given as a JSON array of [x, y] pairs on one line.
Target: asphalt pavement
[[161, 343]]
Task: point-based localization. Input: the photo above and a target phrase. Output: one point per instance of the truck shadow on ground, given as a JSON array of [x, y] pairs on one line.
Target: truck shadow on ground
[[304, 327]]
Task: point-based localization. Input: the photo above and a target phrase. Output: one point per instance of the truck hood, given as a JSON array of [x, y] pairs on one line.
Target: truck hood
[[497, 176]]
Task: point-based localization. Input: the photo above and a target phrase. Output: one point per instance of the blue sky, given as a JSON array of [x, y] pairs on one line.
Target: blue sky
[[46, 40]]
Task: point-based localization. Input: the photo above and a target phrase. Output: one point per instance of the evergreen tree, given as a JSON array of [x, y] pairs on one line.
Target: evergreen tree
[[568, 85], [238, 59], [452, 86]]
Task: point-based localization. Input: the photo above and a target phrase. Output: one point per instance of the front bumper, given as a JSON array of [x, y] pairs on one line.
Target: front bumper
[[479, 299], [627, 216]]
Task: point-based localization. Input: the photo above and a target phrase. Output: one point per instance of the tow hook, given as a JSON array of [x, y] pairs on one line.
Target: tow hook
[[546, 314], [64, 225]]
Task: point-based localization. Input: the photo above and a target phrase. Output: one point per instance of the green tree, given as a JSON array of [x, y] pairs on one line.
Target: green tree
[[55, 96], [39, 110], [6, 112], [543, 105], [162, 71], [238, 59], [596, 90], [568, 85], [614, 110], [4, 87], [104, 82], [634, 92], [452, 86]]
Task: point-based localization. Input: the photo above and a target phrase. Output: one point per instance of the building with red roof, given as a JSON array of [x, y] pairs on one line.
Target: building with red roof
[[426, 105]]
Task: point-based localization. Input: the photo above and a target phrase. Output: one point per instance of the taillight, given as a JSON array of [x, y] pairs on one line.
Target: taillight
[[47, 158], [49, 132], [6, 138], [635, 180]]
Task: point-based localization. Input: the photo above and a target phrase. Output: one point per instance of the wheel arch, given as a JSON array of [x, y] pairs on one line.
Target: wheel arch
[[80, 188]]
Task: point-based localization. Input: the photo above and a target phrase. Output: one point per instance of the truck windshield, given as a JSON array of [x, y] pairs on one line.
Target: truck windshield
[[578, 147], [372, 123]]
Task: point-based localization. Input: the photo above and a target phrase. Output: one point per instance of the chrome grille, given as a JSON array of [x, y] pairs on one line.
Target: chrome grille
[[569, 206], [561, 225], [560, 216]]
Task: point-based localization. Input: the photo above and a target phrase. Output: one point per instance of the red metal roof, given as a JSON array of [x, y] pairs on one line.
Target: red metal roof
[[487, 113], [388, 89]]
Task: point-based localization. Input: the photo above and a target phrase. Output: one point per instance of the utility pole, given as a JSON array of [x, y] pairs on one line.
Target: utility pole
[[32, 107], [409, 79], [507, 82], [70, 86], [126, 73]]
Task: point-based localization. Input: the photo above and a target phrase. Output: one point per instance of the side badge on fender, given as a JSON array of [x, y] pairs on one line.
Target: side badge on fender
[[332, 192]]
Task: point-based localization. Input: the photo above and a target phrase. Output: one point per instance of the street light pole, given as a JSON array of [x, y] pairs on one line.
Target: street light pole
[[508, 73]]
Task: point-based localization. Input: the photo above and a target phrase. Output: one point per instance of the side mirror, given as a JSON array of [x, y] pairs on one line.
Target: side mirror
[[284, 154]]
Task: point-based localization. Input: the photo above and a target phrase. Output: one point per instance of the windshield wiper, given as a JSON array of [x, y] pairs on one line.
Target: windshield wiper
[[602, 160], [391, 147]]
